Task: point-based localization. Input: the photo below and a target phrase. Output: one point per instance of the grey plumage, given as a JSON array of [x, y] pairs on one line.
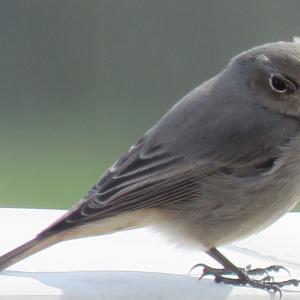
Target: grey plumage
[[221, 164]]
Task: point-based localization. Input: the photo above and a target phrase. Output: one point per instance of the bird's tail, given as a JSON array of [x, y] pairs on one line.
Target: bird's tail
[[55, 233], [35, 245]]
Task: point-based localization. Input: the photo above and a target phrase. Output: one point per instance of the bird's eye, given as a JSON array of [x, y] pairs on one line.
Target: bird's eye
[[277, 84], [281, 84]]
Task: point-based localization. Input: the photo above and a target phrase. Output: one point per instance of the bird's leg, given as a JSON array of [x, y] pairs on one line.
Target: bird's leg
[[267, 283]]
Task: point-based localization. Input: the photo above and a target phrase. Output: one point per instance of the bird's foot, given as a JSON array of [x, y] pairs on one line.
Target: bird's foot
[[267, 281], [207, 270]]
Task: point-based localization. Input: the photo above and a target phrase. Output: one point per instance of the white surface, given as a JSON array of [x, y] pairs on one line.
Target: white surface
[[136, 264]]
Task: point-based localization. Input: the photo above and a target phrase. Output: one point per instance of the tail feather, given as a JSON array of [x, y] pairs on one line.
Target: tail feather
[[35, 245], [50, 236]]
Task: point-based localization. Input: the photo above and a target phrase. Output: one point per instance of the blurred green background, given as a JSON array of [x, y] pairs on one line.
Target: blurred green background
[[80, 81]]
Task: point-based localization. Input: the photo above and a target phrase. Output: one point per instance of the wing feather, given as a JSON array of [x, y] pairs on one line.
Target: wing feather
[[144, 178]]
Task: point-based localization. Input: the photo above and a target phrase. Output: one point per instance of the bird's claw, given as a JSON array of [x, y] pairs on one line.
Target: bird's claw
[[266, 283]]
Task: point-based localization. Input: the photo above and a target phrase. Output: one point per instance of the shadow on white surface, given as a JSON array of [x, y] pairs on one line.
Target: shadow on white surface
[[117, 285], [139, 264]]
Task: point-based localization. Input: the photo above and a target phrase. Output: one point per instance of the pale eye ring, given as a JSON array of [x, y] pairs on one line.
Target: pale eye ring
[[278, 84], [281, 84]]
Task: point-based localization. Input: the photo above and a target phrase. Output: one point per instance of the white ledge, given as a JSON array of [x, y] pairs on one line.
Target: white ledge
[[136, 264]]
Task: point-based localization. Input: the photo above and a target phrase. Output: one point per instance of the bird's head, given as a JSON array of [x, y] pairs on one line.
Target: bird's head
[[270, 75]]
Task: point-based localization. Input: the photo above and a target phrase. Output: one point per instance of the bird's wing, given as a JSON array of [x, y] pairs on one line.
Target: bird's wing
[[143, 178]]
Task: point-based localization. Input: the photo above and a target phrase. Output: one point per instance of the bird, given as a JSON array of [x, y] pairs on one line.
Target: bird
[[222, 164]]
